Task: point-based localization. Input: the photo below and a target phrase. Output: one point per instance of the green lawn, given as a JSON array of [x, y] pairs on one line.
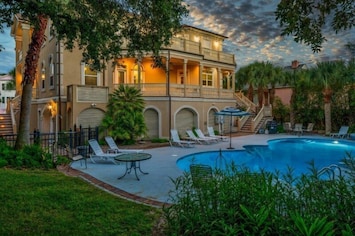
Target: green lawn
[[36, 202]]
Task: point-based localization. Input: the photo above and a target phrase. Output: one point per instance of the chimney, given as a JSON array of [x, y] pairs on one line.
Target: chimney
[[295, 64]]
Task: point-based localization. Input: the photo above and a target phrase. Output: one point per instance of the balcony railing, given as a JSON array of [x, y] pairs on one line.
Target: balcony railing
[[181, 44], [180, 90], [87, 93]]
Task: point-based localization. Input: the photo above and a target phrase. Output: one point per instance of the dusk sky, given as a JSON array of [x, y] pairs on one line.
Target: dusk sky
[[253, 34]]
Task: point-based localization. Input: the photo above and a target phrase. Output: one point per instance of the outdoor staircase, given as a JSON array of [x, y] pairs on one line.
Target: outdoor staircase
[[246, 128], [262, 123], [6, 126]]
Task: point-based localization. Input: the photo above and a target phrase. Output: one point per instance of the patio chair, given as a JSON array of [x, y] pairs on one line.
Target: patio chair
[[213, 135], [309, 128], [193, 137], [98, 153], [343, 132], [114, 148], [200, 134], [287, 127], [175, 140], [200, 174], [298, 129], [73, 158]]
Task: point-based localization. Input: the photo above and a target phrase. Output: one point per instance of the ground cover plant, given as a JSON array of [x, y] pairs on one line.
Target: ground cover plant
[[46, 202], [239, 202]]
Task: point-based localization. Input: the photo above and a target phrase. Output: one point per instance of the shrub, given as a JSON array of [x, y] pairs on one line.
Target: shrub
[[239, 202], [29, 157]]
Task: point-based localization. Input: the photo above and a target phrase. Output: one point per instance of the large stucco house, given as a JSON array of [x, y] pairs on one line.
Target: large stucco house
[[199, 81]]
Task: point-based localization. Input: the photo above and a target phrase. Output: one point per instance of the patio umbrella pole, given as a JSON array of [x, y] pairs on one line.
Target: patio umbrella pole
[[231, 111], [230, 133]]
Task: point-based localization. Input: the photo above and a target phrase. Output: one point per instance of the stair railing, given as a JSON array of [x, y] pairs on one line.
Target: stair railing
[[265, 111], [330, 170], [244, 119], [244, 101]]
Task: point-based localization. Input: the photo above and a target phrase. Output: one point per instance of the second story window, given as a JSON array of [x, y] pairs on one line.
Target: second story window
[[207, 78], [90, 76], [51, 72], [120, 75], [206, 43], [43, 77]]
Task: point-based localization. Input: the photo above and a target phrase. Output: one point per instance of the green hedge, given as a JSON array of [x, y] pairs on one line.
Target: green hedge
[[239, 202]]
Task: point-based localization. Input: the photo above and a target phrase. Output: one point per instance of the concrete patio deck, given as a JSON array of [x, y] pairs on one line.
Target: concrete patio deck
[[153, 188]]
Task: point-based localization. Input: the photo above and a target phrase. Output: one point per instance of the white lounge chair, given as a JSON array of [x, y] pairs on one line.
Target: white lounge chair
[[98, 153], [309, 128], [200, 134], [298, 129], [343, 132], [114, 148], [193, 137], [287, 127], [175, 140], [213, 135]]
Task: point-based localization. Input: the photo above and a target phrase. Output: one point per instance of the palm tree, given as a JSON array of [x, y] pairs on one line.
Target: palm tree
[[243, 76], [124, 118], [330, 77]]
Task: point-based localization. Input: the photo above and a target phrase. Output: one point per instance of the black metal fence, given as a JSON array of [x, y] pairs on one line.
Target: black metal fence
[[78, 137]]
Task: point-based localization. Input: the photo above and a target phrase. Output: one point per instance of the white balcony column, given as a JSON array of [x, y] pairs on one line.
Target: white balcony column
[[167, 65], [233, 80], [185, 76], [200, 79], [219, 78], [139, 64]]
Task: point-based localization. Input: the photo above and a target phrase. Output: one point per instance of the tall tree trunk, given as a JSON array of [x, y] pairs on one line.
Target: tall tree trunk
[[31, 63], [327, 93], [328, 118]]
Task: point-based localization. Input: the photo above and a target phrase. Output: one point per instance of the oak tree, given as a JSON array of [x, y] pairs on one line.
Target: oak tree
[[98, 27], [306, 20]]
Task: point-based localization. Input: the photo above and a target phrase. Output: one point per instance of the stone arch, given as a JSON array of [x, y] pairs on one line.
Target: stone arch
[[152, 121], [90, 117], [186, 118]]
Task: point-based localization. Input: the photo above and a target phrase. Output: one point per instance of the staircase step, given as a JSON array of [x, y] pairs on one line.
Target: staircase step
[[5, 124]]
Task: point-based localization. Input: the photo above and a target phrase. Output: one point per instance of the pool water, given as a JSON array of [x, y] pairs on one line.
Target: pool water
[[278, 155]]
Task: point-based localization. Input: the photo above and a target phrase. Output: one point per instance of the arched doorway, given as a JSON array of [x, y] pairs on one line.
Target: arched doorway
[[91, 117], [185, 119], [151, 118]]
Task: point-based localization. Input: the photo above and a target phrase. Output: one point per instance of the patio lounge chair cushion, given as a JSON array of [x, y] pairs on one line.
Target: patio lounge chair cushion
[[114, 148], [175, 140]]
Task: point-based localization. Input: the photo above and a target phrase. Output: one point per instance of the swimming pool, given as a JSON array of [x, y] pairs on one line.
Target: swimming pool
[[279, 154]]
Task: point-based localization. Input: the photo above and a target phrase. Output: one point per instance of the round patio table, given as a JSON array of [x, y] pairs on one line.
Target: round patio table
[[133, 162]]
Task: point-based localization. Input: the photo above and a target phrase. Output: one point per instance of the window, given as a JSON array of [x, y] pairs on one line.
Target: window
[[136, 79], [43, 76], [51, 72], [90, 76], [206, 43], [3, 86], [120, 75], [207, 78]]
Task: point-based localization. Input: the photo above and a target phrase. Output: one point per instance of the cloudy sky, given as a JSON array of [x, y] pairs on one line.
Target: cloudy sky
[[253, 34]]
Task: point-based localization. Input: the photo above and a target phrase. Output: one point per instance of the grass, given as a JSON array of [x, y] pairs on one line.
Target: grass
[[39, 202]]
